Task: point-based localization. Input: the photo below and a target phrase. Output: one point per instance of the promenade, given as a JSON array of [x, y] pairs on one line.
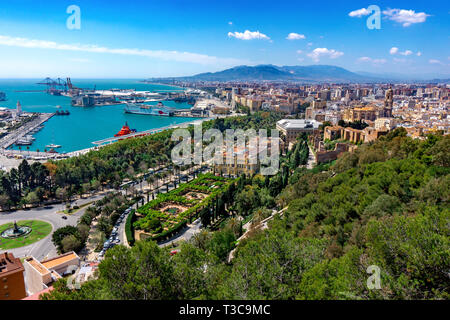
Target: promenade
[[19, 133]]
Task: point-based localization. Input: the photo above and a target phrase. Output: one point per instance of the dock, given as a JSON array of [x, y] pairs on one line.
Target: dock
[[19, 133], [148, 132]]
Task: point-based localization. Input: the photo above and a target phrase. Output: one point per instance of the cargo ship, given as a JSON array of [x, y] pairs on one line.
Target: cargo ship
[[125, 131], [145, 109]]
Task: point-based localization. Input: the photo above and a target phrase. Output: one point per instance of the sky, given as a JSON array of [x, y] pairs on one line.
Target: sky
[[168, 38]]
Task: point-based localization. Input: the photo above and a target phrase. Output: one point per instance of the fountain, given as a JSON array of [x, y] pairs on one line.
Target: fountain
[[16, 232]]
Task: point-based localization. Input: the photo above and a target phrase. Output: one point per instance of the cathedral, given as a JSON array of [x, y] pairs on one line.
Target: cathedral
[[386, 111]]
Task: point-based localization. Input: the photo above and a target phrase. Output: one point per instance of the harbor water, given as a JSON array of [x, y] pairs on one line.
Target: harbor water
[[84, 125]]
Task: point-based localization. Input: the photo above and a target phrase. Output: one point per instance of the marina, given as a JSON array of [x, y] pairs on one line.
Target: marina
[[70, 128]]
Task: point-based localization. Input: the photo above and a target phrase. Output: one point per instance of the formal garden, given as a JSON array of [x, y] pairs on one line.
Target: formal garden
[[23, 233], [171, 211]]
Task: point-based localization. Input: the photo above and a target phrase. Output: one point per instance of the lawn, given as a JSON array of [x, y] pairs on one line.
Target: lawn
[[40, 230]]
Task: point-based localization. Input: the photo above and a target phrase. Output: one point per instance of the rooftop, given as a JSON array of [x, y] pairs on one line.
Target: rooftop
[[37, 265], [51, 263], [298, 124], [9, 264]]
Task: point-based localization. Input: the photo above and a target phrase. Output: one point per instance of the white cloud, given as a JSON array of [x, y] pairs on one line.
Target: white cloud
[[230, 23], [374, 61], [317, 53], [419, 54], [248, 35], [393, 50], [158, 54], [295, 36], [365, 59], [309, 44], [434, 61], [301, 59], [359, 13], [299, 51], [406, 53], [406, 17]]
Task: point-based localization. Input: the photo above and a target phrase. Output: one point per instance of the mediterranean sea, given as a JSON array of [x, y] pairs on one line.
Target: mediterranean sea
[[84, 125]]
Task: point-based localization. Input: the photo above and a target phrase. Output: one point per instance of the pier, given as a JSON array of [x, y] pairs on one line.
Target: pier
[[19, 133], [148, 132]]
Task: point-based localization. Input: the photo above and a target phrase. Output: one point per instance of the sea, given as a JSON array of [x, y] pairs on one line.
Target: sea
[[84, 125]]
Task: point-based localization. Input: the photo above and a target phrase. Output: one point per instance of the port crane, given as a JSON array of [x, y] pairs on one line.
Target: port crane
[[54, 87]]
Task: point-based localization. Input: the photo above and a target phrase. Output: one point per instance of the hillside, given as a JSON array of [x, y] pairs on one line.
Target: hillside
[[385, 205], [314, 73]]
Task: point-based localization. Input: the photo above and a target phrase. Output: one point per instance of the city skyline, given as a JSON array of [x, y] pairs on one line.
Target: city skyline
[[177, 38]]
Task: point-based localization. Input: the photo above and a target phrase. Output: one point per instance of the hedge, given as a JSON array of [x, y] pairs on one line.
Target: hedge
[[129, 232]]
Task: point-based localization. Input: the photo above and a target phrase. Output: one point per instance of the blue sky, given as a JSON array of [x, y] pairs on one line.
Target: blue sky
[[136, 39]]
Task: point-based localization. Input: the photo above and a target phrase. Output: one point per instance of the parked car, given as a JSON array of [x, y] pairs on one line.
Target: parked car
[[64, 217]]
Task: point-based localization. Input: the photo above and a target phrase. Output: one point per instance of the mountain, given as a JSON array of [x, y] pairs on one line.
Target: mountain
[[325, 73], [245, 73], [313, 73]]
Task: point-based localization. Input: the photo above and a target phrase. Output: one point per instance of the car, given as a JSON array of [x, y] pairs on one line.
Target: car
[[116, 241], [64, 217], [115, 229]]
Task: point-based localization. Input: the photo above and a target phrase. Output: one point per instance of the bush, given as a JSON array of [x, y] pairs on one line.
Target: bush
[[129, 231]]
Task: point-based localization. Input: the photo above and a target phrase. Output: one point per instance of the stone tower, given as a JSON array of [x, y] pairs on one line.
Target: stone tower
[[388, 103]]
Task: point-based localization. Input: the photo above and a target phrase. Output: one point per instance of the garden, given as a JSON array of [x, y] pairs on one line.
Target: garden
[[171, 211], [36, 230]]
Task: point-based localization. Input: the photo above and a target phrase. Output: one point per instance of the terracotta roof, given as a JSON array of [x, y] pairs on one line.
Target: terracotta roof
[[10, 264], [51, 263], [37, 265]]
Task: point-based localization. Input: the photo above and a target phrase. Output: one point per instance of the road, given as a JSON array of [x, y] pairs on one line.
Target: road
[[184, 235], [44, 248]]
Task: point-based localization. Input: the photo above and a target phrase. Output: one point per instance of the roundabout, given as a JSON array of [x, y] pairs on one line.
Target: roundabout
[[23, 233]]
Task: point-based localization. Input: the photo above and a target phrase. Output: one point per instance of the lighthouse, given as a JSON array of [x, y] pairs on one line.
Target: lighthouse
[[18, 109]]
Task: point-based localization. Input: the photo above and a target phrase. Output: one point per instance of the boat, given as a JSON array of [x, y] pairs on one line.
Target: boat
[[125, 131], [53, 146], [60, 112], [2, 96], [145, 109], [24, 142]]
